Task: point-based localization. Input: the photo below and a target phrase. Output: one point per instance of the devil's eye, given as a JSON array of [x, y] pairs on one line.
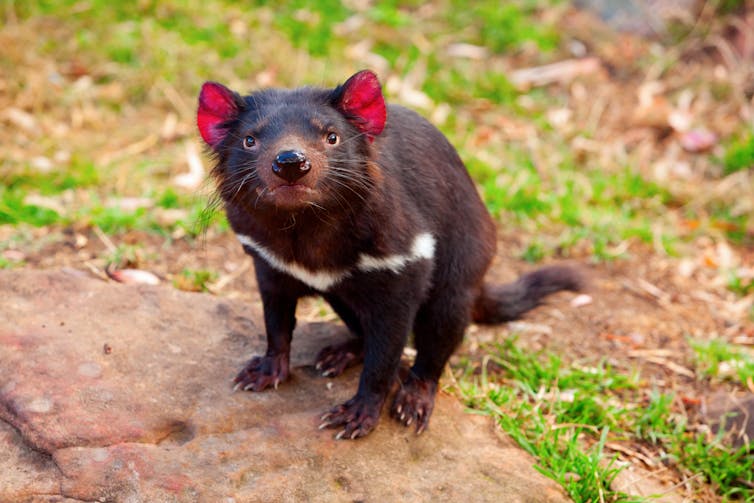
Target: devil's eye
[[331, 138], [249, 142]]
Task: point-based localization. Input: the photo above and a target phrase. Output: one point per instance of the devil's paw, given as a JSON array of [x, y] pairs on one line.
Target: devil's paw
[[263, 371]]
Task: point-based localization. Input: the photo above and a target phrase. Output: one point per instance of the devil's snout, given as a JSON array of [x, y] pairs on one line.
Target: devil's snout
[[290, 165]]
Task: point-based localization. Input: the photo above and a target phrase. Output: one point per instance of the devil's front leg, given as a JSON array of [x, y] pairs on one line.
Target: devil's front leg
[[280, 293], [385, 324]]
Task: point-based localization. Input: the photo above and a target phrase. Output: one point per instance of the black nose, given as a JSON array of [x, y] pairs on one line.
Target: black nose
[[290, 165]]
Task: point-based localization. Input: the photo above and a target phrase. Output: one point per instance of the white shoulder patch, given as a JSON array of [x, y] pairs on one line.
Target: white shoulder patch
[[422, 248]]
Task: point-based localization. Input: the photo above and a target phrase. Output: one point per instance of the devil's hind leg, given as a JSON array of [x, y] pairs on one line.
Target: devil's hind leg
[[438, 329]]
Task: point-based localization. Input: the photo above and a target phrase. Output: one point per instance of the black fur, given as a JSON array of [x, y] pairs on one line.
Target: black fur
[[371, 194], [501, 303]]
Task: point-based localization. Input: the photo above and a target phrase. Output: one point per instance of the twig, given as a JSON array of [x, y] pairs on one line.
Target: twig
[[648, 291], [630, 452], [653, 290], [651, 353], [681, 483], [105, 240], [131, 150], [223, 281], [670, 365], [175, 98], [96, 270], [590, 427], [562, 71]]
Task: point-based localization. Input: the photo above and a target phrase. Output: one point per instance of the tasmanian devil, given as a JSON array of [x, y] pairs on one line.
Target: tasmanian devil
[[334, 193]]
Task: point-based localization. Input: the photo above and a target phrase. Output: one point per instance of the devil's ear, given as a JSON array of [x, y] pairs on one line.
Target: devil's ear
[[217, 105], [360, 100]]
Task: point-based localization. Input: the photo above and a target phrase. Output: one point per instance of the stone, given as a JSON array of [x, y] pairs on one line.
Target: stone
[[113, 392], [730, 415], [644, 485], [642, 17]]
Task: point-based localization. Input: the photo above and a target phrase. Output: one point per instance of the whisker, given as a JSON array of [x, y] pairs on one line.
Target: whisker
[[362, 197], [339, 198], [259, 196], [350, 182], [353, 137]]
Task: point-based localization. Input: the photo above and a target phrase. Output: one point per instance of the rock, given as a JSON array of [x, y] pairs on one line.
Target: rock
[[113, 392], [733, 413], [644, 485], [642, 17]]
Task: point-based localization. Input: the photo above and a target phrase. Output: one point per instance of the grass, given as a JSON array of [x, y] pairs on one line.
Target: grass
[[603, 209], [730, 470], [718, 359], [740, 285], [565, 416], [192, 280], [571, 204], [739, 154], [548, 410], [505, 27]]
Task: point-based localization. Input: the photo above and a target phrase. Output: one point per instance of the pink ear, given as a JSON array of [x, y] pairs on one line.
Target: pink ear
[[362, 102], [217, 104]]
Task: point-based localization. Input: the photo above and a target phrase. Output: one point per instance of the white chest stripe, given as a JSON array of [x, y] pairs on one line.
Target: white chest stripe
[[320, 280], [423, 247]]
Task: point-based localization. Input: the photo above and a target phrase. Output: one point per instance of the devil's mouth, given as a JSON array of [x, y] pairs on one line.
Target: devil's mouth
[[290, 189], [290, 195]]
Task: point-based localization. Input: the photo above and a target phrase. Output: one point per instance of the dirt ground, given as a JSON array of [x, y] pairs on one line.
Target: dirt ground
[[639, 315]]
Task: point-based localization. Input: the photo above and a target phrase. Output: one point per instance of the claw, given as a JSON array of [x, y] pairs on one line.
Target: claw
[[237, 387], [325, 416], [277, 381], [248, 387], [324, 425], [340, 435], [318, 366], [410, 420], [354, 434], [399, 409]]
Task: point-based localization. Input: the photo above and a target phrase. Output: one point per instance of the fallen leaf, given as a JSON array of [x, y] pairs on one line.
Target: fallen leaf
[[132, 276], [169, 127], [581, 300], [51, 203], [195, 175], [468, 51], [680, 120], [698, 140], [21, 119], [42, 164], [129, 203], [691, 400], [13, 255], [170, 216], [80, 241]]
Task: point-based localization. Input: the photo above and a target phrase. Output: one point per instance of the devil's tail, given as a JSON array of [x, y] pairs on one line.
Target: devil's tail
[[500, 303]]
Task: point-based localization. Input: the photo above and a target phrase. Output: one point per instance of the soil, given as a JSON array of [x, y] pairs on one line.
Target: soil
[[642, 311]]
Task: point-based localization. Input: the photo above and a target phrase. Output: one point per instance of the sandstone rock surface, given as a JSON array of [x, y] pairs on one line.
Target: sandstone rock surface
[[111, 392]]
